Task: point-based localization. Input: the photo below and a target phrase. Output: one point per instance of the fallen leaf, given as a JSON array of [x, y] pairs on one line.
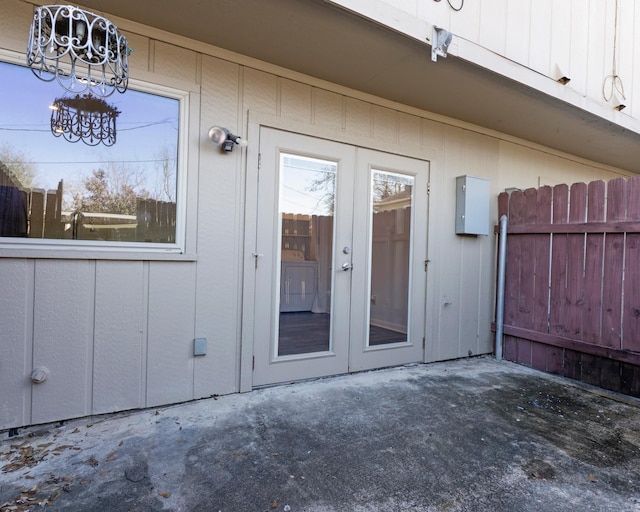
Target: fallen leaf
[[25, 458], [274, 504], [111, 456], [93, 462], [164, 494], [592, 478]]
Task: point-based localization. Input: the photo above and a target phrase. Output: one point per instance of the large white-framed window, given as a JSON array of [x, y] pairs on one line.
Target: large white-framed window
[[112, 181]]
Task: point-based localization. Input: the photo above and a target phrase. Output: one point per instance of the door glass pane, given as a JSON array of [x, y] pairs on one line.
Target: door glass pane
[[306, 206], [392, 198]]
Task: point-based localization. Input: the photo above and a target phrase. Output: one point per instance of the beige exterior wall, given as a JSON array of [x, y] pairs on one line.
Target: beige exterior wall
[[118, 333]]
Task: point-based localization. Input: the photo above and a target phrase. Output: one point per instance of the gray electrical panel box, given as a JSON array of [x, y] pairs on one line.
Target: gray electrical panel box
[[472, 206]]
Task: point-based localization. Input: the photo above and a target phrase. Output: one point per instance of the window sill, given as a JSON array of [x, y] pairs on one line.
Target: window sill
[[96, 253]]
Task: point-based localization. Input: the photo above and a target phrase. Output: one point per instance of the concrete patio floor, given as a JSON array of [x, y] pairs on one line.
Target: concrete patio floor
[[465, 435]]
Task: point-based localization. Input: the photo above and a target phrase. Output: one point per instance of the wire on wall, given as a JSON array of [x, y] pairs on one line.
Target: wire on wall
[[613, 82], [459, 8]]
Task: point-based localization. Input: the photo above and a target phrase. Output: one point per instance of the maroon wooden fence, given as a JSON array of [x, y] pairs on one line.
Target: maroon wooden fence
[[572, 288]]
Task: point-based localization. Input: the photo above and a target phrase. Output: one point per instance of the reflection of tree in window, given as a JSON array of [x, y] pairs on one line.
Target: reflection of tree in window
[[112, 191], [387, 186], [325, 183], [125, 192], [15, 161]]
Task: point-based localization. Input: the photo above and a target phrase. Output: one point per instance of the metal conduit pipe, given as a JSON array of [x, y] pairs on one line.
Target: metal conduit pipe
[[502, 264]]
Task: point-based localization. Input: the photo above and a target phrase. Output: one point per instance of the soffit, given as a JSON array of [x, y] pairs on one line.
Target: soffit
[[321, 40]]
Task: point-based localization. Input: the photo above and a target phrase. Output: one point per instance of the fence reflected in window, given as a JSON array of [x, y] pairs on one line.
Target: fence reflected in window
[[51, 188]]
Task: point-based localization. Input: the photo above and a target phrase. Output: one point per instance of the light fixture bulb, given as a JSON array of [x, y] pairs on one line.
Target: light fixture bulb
[[217, 134]]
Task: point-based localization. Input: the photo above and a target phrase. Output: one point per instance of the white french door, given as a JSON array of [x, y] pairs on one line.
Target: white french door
[[340, 248]]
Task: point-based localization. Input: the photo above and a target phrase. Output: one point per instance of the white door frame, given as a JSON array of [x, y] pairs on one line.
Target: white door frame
[[362, 357], [268, 366], [250, 231]]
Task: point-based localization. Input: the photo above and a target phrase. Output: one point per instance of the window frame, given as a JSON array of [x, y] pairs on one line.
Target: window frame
[[103, 249]]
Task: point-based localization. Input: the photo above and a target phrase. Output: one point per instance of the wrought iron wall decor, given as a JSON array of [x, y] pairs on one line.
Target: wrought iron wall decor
[[84, 118], [82, 51]]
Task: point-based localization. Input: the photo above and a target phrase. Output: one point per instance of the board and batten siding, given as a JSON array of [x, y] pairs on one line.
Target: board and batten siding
[[118, 334], [575, 35]]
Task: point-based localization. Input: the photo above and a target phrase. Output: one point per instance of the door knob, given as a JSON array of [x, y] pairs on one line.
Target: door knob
[[347, 266]]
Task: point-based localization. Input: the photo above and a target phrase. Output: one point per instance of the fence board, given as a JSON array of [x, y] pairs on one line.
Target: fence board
[[630, 379], [50, 215], [631, 311], [503, 204], [594, 254], [36, 219], [558, 261], [575, 263], [512, 277], [542, 247], [541, 356], [555, 360], [526, 295], [613, 254], [514, 254], [572, 364]]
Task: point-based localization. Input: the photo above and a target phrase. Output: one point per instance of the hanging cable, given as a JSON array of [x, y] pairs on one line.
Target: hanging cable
[[613, 80], [452, 6]]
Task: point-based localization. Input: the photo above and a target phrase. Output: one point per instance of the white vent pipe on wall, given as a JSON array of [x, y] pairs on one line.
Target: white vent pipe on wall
[[502, 265]]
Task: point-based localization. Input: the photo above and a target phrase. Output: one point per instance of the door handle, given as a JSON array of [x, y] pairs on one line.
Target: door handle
[[347, 266]]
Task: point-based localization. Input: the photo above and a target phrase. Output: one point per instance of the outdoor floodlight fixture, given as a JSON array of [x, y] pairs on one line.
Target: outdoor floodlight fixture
[[84, 118], [225, 139], [440, 41], [82, 51]]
